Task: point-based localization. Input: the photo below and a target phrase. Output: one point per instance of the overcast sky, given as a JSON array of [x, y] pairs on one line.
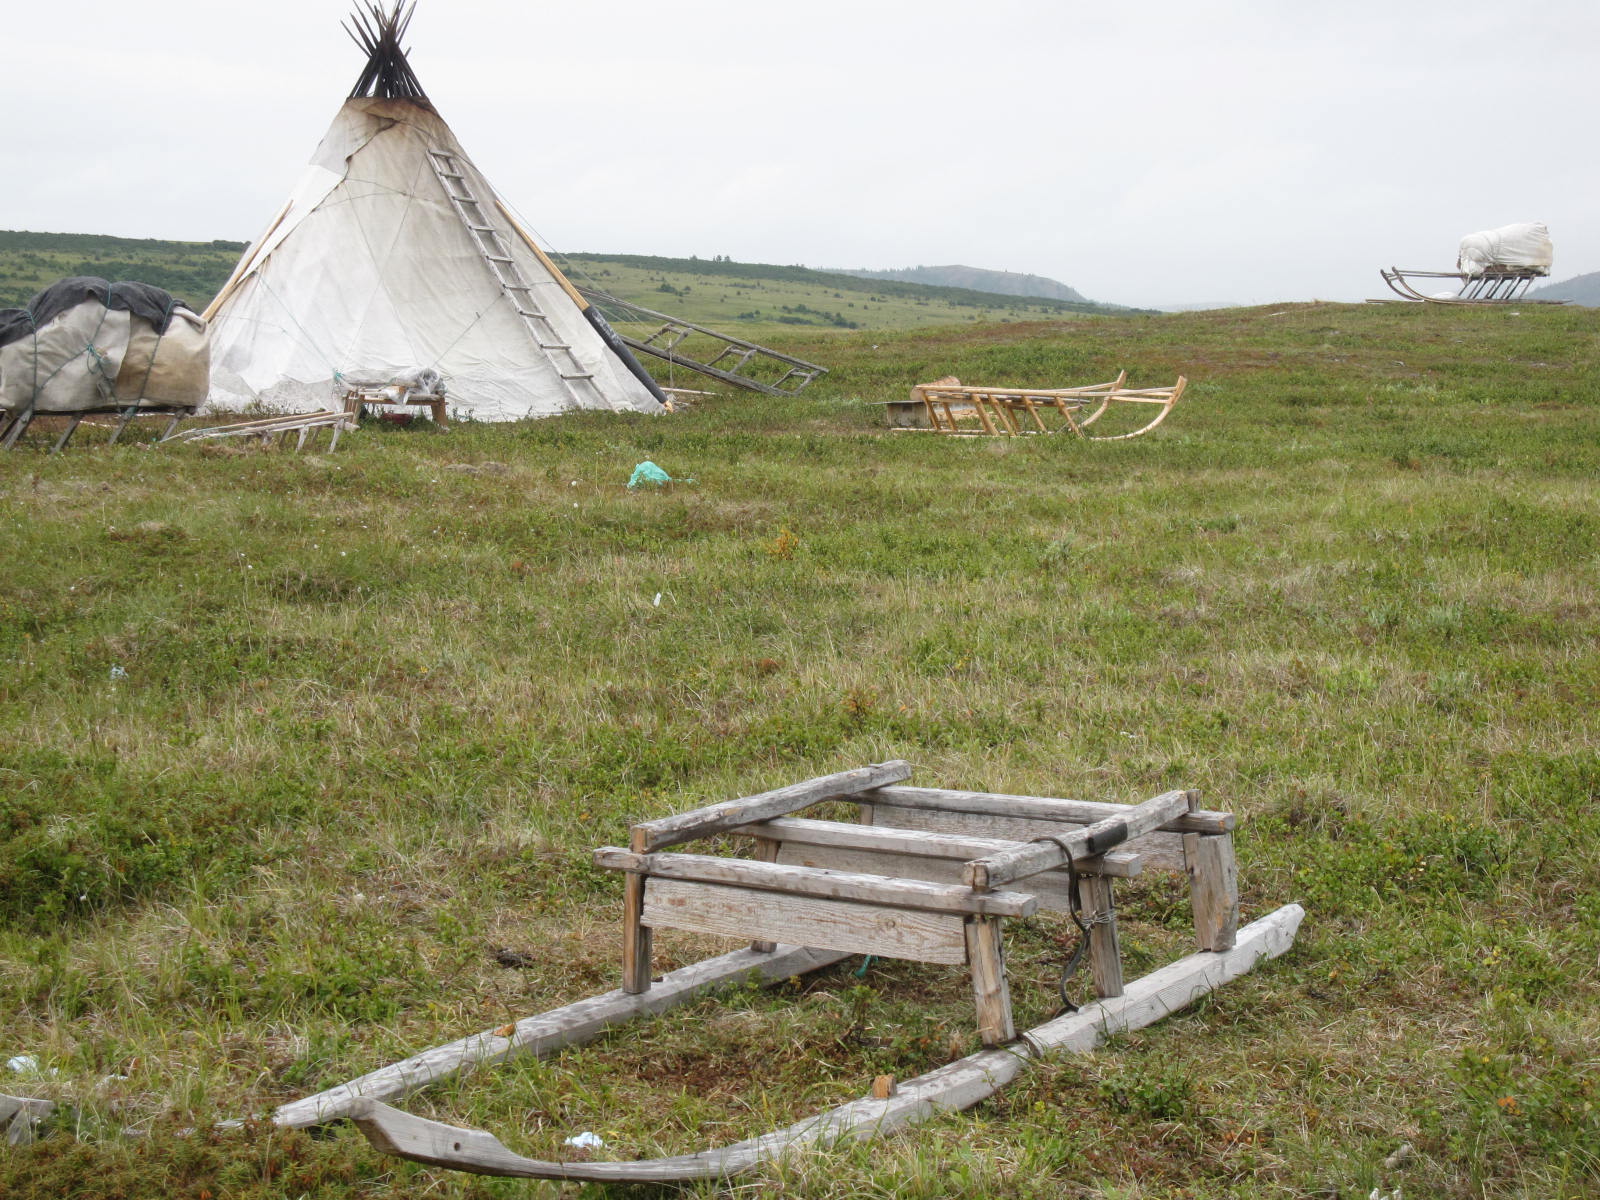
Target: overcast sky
[[1144, 153]]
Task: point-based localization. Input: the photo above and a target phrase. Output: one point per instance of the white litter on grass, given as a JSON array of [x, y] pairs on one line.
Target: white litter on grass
[[658, 600], [585, 1141], [27, 1064]]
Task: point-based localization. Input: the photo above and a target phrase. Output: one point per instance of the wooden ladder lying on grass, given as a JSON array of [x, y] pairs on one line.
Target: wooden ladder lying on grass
[[302, 425]]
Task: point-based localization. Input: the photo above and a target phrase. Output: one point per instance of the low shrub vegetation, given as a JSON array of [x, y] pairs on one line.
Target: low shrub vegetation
[[293, 746]]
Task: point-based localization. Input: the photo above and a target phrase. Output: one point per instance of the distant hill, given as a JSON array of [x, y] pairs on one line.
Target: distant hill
[[191, 271], [716, 292], [720, 291], [1580, 289], [977, 279]]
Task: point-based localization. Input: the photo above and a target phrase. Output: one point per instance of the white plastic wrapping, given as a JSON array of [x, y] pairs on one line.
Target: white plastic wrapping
[[1521, 247]]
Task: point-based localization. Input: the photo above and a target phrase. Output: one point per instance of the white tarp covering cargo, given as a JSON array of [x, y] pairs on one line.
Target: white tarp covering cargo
[[1521, 247], [86, 345]]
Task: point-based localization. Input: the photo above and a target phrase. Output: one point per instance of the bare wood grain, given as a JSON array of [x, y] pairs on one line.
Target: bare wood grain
[[913, 843], [1019, 863], [570, 1025], [1162, 851], [1105, 955], [1044, 808], [715, 818], [827, 924], [1050, 889], [766, 851], [1214, 890], [818, 883], [991, 991]]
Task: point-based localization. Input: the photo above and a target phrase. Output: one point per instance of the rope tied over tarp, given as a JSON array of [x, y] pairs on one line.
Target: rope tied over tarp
[[151, 304]]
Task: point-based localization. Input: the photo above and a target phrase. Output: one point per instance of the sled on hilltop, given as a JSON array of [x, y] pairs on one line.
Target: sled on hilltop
[[926, 874], [1496, 266]]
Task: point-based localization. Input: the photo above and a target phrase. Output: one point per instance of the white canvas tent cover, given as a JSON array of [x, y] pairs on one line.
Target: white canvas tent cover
[[1522, 247], [370, 273]]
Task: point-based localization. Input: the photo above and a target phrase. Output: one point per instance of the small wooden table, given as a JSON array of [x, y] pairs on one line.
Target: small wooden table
[[356, 400]]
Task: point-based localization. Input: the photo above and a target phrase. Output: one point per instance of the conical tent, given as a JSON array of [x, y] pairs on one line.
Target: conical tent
[[393, 255]]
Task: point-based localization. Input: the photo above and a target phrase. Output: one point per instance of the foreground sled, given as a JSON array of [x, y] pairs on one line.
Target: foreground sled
[[924, 875]]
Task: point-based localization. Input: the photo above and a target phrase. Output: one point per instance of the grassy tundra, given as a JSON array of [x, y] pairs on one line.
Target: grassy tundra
[[291, 746]]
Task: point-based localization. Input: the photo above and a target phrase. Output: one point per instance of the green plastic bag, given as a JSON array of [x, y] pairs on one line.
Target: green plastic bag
[[648, 472]]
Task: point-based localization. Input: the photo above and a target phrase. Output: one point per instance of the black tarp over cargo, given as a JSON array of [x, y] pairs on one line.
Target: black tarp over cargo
[[86, 345]]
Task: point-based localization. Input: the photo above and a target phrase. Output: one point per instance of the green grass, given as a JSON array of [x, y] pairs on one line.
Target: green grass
[[290, 746]]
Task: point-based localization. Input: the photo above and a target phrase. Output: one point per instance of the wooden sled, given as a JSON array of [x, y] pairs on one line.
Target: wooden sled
[[951, 408], [924, 875], [302, 425], [14, 422], [1491, 287]]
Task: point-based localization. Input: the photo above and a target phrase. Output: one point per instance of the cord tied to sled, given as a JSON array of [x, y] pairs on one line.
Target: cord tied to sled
[[1085, 925]]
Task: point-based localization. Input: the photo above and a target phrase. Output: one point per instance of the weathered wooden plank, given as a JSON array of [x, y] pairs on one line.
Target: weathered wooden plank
[[1043, 808], [1169, 988], [830, 924], [637, 940], [570, 1025], [1214, 890], [1050, 889], [990, 989], [1105, 956], [766, 851], [715, 818], [913, 843], [959, 1085], [818, 883], [1029, 859], [1162, 851]]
